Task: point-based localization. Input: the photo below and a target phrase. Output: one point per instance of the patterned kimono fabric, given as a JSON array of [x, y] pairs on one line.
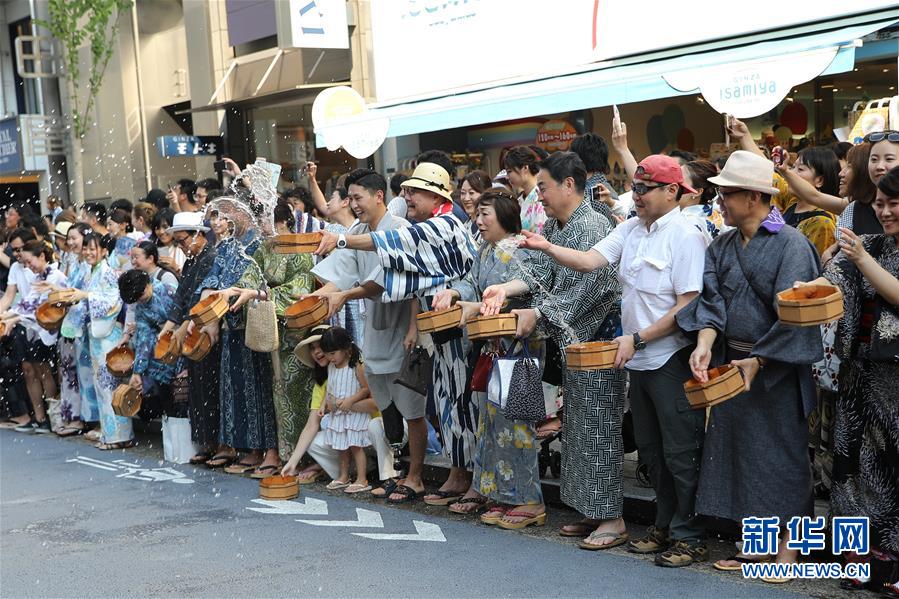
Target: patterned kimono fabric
[[287, 277], [149, 319], [866, 433], [202, 376], [506, 468], [582, 307], [755, 458], [247, 417], [421, 260], [104, 305], [69, 394], [75, 327]]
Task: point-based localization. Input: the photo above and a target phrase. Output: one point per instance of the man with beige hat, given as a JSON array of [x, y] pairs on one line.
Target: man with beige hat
[[419, 261], [755, 461]]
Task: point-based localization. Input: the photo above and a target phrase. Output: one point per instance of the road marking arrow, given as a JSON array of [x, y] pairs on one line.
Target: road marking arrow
[[312, 507], [365, 519], [424, 531]]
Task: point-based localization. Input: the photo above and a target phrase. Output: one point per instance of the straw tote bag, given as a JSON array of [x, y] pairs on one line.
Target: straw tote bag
[[262, 326]]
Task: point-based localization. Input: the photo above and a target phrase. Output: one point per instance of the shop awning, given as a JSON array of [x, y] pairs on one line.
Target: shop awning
[[620, 82]]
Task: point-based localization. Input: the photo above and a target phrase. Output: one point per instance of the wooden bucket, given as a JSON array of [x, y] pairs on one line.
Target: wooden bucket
[[306, 313], [209, 310], [439, 320], [126, 401], [50, 315], [298, 243], [63, 297], [120, 361], [196, 345], [810, 306], [725, 382], [593, 355], [163, 351], [279, 487], [499, 325]]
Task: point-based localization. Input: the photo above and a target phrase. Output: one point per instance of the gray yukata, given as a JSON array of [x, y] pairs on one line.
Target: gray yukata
[[574, 303], [755, 459]]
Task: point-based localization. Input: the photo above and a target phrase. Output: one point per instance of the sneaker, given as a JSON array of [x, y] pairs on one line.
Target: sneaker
[[28, 427], [43, 428], [682, 554], [656, 540]]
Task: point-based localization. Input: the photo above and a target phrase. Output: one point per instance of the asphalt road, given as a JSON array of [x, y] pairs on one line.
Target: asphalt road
[[75, 521]]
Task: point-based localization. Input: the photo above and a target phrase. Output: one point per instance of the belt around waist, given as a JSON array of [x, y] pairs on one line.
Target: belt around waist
[[742, 346]]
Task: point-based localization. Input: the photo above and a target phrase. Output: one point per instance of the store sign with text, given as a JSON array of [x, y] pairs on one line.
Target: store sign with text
[[189, 145], [312, 24], [424, 48], [10, 146]]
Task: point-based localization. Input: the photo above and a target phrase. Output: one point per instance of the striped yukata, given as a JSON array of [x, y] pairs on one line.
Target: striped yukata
[[421, 260]]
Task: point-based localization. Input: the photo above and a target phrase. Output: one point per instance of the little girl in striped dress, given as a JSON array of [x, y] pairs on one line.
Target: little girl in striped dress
[[345, 430]]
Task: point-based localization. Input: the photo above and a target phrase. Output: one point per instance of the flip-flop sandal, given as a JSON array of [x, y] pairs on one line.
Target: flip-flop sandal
[[200, 458], [528, 519], [114, 446], [93, 435], [620, 539], [70, 431], [408, 495], [356, 488], [309, 478], [493, 515], [478, 502], [240, 468], [735, 558], [388, 487], [578, 529], [444, 497], [337, 484], [220, 460], [265, 471]]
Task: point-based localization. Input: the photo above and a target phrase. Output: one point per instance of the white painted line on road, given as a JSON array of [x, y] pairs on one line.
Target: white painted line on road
[[134, 471], [365, 519], [312, 507], [425, 531]]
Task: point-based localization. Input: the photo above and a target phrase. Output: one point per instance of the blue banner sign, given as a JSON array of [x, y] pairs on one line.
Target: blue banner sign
[[189, 145]]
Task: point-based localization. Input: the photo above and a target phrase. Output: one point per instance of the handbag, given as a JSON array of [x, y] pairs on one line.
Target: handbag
[[262, 326], [526, 400], [502, 373], [417, 370], [177, 446], [481, 373]]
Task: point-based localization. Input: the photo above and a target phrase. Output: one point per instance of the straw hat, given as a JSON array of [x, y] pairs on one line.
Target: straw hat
[[303, 350], [62, 229], [747, 170], [187, 221], [430, 177]]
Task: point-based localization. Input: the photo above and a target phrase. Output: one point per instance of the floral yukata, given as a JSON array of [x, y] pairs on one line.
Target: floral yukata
[[96, 317], [247, 416], [506, 468], [287, 277], [149, 317]]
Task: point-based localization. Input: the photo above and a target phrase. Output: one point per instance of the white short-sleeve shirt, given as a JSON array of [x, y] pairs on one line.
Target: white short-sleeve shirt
[[654, 267]]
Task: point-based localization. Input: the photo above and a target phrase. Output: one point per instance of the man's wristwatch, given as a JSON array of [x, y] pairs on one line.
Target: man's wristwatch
[[341, 241], [638, 342]]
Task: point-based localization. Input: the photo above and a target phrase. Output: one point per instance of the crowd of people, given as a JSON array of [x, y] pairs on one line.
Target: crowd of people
[[681, 269]]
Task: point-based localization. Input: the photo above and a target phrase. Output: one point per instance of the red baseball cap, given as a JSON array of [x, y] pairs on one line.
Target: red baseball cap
[[661, 169]]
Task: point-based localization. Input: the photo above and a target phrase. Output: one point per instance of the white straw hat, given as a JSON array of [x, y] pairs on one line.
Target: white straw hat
[[747, 170], [187, 221]]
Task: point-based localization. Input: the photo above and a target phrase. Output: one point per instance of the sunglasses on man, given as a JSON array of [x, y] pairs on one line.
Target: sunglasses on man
[[643, 189]]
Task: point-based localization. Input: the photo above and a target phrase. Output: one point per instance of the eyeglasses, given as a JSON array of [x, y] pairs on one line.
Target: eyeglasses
[[181, 240], [643, 188], [891, 136], [724, 194], [16, 250]]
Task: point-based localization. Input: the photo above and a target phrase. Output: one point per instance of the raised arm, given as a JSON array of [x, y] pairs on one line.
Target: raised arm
[[806, 192], [574, 259], [740, 132], [619, 142], [321, 203]]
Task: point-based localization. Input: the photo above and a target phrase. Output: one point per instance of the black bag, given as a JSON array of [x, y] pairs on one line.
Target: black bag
[[393, 424], [417, 371], [525, 400]]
